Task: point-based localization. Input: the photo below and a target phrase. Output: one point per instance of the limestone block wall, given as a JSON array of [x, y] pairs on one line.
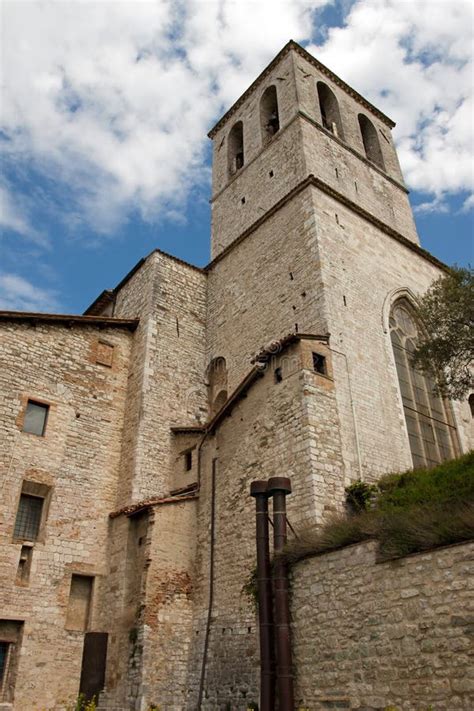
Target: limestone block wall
[[357, 179], [258, 185], [77, 462], [266, 287], [281, 428], [377, 635], [363, 271], [166, 386], [167, 618]]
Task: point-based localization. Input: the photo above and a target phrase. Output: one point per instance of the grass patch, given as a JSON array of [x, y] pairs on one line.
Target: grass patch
[[407, 513]]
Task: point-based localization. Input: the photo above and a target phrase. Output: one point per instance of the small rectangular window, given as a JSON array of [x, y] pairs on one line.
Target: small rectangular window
[[36, 415], [188, 461], [28, 517], [319, 364], [80, 596]]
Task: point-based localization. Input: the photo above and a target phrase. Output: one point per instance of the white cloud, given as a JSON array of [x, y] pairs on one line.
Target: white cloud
[[11, 217], [18, 294], [414, 61], [114, 99], [468, 203]]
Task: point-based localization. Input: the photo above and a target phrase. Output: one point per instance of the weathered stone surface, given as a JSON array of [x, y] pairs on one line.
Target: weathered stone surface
[[397, 659]]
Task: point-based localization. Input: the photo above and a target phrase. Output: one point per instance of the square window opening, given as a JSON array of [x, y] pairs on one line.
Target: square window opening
[[36, 416], [319, 364]]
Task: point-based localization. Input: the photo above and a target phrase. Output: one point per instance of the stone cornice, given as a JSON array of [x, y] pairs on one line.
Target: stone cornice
[[68, 320], [311, 180]]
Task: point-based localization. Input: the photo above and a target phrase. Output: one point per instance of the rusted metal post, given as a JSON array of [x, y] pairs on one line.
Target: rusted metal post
[[279, 488], [258, 489]]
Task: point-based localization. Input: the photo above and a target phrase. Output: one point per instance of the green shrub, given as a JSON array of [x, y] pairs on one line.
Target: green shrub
[[413, 511], [360, 496]]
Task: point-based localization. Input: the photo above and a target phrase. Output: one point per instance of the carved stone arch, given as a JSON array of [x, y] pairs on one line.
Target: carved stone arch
[[403, 292]]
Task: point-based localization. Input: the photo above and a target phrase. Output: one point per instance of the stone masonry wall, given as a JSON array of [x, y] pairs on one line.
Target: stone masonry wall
[[266, 287], [167, 374], [285, 428], [167, 617], [397, 634], [78, 459], [363, 272]]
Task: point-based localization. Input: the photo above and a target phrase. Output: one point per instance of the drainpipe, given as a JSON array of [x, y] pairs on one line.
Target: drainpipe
[[279, 487], [210, 603], [258, 489]]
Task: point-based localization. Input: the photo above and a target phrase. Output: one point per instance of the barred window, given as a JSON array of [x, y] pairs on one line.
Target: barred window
[[431, 431], [28, 517]]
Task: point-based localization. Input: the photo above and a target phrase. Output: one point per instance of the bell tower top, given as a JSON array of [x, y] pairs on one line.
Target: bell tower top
[[299, 119]]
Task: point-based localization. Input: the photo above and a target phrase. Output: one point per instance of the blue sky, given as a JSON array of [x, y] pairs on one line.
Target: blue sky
[[106, 107]]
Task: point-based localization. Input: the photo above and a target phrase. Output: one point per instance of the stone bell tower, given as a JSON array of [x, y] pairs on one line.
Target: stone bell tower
[[296, 120]]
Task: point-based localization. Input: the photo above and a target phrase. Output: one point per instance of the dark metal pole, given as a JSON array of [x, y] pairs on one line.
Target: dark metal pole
[[258, 489], [279, 488]]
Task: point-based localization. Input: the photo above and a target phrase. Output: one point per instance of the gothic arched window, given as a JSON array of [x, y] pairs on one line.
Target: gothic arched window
[[330, 115], [371, 141], [430, 428], [269, 116], [236, 147]]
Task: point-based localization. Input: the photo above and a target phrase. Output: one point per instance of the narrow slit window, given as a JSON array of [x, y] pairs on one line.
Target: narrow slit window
[[188, 461], [24, 565], [36, 415], [28, 517], [4, 654]]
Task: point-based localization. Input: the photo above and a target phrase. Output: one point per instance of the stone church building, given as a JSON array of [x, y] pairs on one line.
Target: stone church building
[[129, 435]]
